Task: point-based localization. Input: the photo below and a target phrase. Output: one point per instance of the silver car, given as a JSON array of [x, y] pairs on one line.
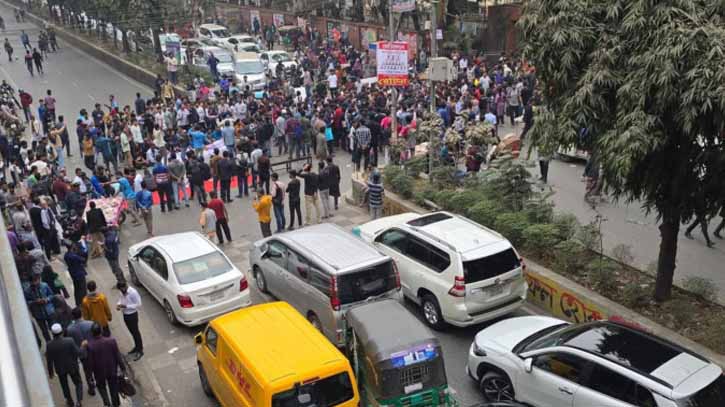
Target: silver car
[[323, 271]]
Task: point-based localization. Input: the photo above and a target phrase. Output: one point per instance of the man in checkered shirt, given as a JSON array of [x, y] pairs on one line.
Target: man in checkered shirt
[[362, 143]]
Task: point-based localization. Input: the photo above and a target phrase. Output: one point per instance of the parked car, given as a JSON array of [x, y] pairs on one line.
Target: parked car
[[272, 58], [249, 71], [323, 271], [548, 362], [194, 43], [458, 271], [234, 43], [186, 273], [226, 59], [214, 32]]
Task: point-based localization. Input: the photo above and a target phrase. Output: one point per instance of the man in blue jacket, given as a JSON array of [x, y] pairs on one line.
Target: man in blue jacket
[[39, 299], [76, 260]]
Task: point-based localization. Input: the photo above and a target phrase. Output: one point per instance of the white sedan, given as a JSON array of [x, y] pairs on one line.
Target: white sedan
[[186, 273]]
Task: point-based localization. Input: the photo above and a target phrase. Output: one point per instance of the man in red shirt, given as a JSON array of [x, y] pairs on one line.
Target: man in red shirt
[[25, 101], [222, 222]]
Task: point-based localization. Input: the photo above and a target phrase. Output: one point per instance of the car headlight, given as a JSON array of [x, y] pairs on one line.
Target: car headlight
[[478, 351]]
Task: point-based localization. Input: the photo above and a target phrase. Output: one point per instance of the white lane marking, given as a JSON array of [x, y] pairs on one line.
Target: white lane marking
[[91, 97]]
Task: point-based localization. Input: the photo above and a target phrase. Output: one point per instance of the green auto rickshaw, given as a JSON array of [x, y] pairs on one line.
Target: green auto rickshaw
[[398, 362]]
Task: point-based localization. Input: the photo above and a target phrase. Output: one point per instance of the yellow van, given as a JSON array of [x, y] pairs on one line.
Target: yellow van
[[269, 355]]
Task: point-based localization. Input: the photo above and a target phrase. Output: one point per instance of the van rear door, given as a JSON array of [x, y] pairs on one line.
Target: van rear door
[[488, 279], [367, 283]]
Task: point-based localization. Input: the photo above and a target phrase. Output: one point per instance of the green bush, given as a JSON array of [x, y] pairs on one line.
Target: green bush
[[464, 200], [485, 212], [681, 311], [570, 256], [402, 185], [635, 295], [541, 238], [443, 177], [590, 236], [442, 197], [703, 287], [416, 165], [539, 210], [567, 224], [512, 226], [601, 274], [390, 172]]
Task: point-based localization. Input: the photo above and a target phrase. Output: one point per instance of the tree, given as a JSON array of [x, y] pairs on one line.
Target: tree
[[646, 79]]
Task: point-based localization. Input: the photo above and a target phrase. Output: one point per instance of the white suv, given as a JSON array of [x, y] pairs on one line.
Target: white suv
[[458, 271], [548, 362]]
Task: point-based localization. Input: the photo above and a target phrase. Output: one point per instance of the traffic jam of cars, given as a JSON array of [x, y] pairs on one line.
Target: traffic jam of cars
[[332, 347]]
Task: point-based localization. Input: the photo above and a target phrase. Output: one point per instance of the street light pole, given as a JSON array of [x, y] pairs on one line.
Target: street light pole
[[394, 91], [433, 54]]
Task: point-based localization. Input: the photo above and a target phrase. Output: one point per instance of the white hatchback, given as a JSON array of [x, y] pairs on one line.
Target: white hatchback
[[458, 271], [189, 276]]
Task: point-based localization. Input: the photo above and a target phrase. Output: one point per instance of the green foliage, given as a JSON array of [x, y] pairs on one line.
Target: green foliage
[[507, 180], [700, 286], [485, 212], [681, 311], [512, 225], [416, 165], [539, 210], [590, 236], [636, 295], [462, 201], [403, 185], [540, 239], [390, 173], [571, 257], [443, 177], [623, 253], [427, 193], [567, 224], [601, 274]]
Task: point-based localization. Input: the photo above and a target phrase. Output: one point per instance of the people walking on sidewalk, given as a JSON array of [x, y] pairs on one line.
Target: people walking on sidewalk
[[222, 218], [8, 50], [128, 304], [262, 203], [29, 62], [293, 193], [25, 40], [80, 330], [105, 361], [38, 59], [95, 308], [62, 355]]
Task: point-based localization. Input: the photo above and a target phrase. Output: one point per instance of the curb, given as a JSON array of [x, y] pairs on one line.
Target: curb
[[561, 297]]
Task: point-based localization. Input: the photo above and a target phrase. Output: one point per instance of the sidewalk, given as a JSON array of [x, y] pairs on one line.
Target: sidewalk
[[628, 224]]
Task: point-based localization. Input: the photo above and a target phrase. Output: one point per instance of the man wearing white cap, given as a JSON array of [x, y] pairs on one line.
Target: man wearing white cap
[[62, 356]]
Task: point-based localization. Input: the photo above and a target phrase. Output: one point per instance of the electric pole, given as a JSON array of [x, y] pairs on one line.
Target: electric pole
[[394, 91], [433, 54]]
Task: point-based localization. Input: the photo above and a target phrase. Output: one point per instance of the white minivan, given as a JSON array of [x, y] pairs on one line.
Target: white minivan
[[458, 271]]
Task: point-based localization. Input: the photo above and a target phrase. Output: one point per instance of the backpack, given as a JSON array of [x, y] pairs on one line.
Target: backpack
[[205, 171]]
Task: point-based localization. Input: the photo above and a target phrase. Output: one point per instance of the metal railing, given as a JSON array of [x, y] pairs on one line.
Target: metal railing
[[23, 380]]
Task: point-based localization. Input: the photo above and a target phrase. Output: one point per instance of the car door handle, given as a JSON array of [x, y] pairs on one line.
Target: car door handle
[[565, 390]]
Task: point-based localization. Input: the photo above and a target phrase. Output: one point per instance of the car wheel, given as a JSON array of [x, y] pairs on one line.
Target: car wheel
[[261, 282], [170, 316], [205, 382], [496, 386], [315, 321], [134, 277], [432, 312]]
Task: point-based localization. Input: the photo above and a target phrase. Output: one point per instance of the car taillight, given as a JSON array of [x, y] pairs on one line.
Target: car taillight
[[397, 276], [334, 299], [459, 287], [243, 284], [523, 264], [185, 301]]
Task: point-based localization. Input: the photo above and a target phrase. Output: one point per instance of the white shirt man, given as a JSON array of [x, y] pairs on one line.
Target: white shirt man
[[332, 81]]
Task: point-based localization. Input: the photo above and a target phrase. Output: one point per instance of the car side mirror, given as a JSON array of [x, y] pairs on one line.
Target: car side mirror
[[528, 364], [199, 338]]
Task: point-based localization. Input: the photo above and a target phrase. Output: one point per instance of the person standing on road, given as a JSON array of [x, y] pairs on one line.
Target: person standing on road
[[75, 259], [325, 179], [80, 330], [29, 62], [26, 100], [9, 50], [128, 304], [38, 59], [312, 182], [112, 252], [105, 360], [96, 222], [222, 218], [225, 172], [144, 203], [95, 308], [375, 196], [207, 221], [50, 105], [25, 40], [293, 192], [39, 298], [178, 180], [62, 356], [277, 193], [334, 180], [162, 177], [262, 204]]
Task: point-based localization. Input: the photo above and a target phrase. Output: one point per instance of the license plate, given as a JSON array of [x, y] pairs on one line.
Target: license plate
[[216, 296], [496, 289]]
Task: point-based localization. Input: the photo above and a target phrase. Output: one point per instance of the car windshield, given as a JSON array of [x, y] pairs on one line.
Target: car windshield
[[224, 57], [201, 268], [712, 395], [328, 392], [220, 33], [249, 47], [490, 266], [249, 67], [551, 336], [283, 57], [363, 284]]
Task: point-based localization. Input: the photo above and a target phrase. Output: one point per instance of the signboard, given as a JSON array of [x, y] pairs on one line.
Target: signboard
[[278, 20], [401, 6], [412, 40], [392, 60], [439, 34], [368, 36]]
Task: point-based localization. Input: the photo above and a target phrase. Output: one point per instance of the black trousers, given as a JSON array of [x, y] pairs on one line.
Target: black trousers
[[79, 290], [88, 373], [166, 198], [106, 385], [544, 169], [223, 224], [703, 222], [131, 321], [225, 189], [294, 207], [75, 376]]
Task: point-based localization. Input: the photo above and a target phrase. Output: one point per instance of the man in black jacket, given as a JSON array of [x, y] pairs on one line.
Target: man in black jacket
[[225, 172], [312, 183], [96, 222], [62, 355], [293, 192]]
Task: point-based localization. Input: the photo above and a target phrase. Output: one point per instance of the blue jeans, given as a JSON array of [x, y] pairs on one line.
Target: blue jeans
[[279, 217], [176, 186], [242, 184]]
